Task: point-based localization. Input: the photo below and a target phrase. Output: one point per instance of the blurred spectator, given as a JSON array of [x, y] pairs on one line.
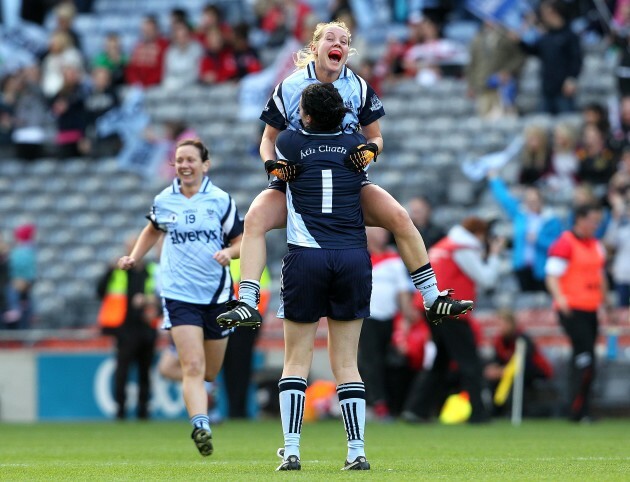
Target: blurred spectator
[[62, 53], [577, 282], [247, 59], [169, 134], [113, 58], [129, 311], [537, 367], [459, 261], [429, 59], [182, 58], [370, 71], [560, 56], [392, 291], [583, 195], [392, 61], [621, 132], [597, 114], [68, 107], [212, 18], [493, 71], [5, 287], [281, 19], [536, 155], [420, 211], [596, 161], [23, 275], [218, 63], [147, 59], [31, 116], [10, 87], [564, 163], [297, 13], [271, 20], [65, 12], [101, 98], [617, 237], [178, 16], [535, 229], [621, 40]]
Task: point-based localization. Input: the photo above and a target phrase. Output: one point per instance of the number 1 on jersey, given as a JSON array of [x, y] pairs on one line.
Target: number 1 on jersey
[[327, 191]]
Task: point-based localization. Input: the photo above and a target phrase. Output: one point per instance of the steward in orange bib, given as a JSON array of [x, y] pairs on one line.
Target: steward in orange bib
[[129, 312], [577, 282]]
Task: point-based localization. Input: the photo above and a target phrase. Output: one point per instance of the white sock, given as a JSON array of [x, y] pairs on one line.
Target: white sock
[[352, 403], [424, 280], [292, 397]]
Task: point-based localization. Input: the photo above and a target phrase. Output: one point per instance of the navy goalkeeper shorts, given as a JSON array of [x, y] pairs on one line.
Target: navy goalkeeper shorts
[[335, 283]]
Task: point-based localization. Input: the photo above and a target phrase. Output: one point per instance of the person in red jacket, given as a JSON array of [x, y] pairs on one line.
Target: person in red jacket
[[577, 282], [147, 59], [458, 261]]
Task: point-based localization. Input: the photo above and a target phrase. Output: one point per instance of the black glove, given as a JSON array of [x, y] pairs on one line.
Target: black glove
[[284, 169], [360, 156]]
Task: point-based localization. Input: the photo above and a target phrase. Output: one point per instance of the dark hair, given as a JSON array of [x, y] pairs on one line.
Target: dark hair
[[557, 6], [584, 210], [203, 150], [476, 225], [325, 106]]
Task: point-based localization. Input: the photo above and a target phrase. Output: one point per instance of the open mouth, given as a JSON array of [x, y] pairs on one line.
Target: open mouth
[[335, 55]]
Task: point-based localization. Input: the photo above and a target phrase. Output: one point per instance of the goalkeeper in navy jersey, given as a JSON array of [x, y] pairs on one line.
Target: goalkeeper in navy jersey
[[327, 271]]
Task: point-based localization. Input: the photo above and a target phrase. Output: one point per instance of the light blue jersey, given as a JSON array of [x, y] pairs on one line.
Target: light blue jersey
[[282, 109], [195, 229]]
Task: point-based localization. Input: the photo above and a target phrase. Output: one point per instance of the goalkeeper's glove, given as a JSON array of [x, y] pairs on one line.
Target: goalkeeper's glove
[[360, 156], [284, 169]]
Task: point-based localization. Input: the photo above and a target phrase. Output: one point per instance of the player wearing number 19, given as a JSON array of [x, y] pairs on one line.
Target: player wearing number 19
[[327, 271], [202, 234]]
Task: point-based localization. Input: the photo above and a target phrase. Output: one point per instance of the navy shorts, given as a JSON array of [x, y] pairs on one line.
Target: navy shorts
[[336, 283], [178, 313], [277, 185]]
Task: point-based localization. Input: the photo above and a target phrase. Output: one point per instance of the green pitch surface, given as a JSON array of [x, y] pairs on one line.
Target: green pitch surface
[[538, 450]]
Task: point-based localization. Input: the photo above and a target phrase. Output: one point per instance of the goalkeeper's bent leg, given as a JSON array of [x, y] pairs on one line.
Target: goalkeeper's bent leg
[[268, 211]]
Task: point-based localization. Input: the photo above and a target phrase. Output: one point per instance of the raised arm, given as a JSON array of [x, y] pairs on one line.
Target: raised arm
[[268, 143]]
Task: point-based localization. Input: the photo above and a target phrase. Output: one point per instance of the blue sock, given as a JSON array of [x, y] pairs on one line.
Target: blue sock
[[249, 292], [352, 403], [292, 397], [200, 421]]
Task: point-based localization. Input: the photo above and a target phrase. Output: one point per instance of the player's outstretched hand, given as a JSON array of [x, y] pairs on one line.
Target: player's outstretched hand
[[360, 156], [126, 262], [284, 169]]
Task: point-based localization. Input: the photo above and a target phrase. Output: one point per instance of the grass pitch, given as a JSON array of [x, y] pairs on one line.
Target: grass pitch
[[538, 450]]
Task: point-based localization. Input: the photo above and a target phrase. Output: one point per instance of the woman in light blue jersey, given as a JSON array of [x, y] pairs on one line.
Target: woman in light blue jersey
[[322, 61], [202, 233]]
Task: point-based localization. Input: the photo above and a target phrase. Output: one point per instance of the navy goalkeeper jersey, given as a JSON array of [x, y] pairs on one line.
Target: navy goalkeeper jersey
[[324, 202]]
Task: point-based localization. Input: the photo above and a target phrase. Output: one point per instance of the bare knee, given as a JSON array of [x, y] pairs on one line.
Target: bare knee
[[256, 223], [194, 368], [398, 221]]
